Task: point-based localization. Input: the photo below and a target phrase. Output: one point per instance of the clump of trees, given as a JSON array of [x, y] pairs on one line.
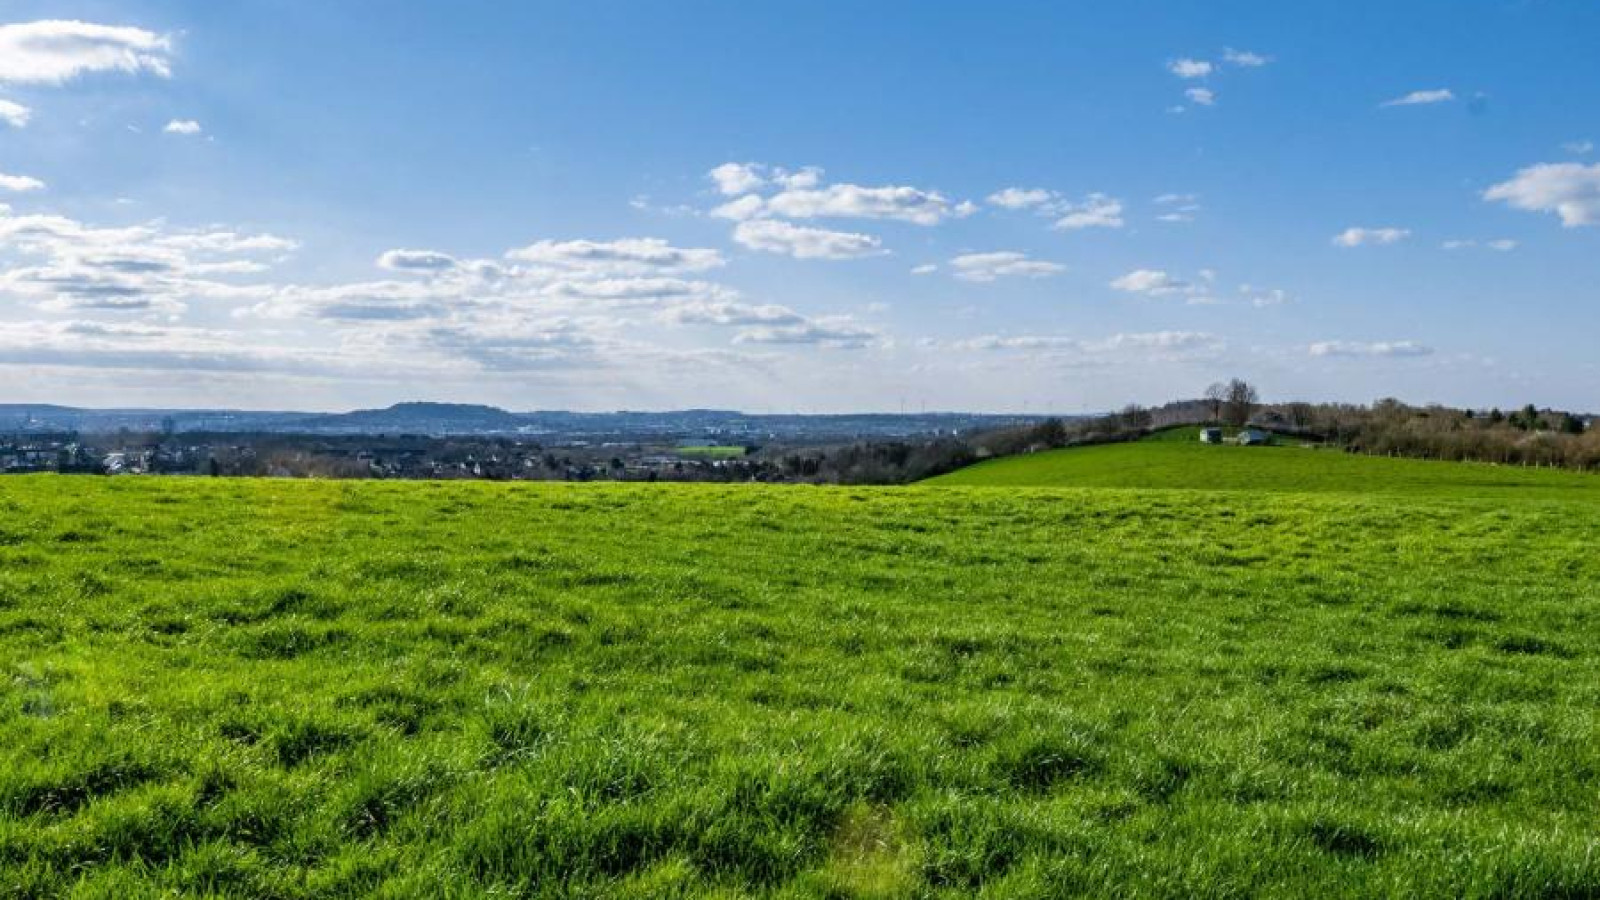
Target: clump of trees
[[1529, 436], [1233, 402]]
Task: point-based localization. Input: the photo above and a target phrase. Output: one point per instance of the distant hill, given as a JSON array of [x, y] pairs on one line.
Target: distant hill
[[1176, 459], [470, 418], [416, 417]]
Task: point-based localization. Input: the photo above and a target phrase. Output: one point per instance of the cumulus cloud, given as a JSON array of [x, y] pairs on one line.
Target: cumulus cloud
[[1357, 237], [733, 179], [986, 267], [19, 183], [774, 236], [1570, 190], [628, 256], [723, 312], [1021, 198], [1372, 349], [14, 114], [1200, 96], [57, 51], [850, 201], [1190, 68], [838, 332], [770, 192], [1096, 211], [182, 126], [1151, 282], [63, 264], [1422, 98], [416, 261]]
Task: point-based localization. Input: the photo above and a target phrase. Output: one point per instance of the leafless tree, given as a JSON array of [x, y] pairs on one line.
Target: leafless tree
[[1216, 396], [1241, 402]]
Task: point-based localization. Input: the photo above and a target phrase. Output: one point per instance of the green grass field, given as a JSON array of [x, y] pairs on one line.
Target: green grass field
[[714, 451], [1176, 459], [335, 689]]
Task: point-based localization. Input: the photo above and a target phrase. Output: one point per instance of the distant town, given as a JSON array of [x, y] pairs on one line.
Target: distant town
[[441, 441]]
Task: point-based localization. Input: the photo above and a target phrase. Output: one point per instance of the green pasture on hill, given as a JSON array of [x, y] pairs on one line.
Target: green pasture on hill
[[274, 688], [712, 451], [1177, 459]]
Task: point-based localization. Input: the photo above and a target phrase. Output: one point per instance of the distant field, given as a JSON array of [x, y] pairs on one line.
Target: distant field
[[712, 452], [336, 689], [1177, 459]]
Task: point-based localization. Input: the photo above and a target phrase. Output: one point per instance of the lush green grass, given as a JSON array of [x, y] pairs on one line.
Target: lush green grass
[[715, 451], [1177, 459], [298, 689]]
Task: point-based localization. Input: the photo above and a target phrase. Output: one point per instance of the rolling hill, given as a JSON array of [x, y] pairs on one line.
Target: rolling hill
[[1177, 460]]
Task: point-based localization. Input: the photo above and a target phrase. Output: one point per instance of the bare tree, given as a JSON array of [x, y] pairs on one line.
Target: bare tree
[[1216, 395], [1241, 401], [1136, 417]]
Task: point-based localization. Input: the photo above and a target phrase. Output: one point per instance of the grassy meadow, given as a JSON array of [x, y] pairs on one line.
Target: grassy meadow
[[1128, 688], [1177, 459]]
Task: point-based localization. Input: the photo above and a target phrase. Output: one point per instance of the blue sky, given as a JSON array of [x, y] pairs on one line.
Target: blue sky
[[840, 206]]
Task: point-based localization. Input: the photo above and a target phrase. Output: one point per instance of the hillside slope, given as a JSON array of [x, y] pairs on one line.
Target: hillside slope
[[1175, 460]]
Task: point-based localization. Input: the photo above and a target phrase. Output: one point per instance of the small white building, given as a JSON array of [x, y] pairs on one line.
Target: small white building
[[1211, 435]]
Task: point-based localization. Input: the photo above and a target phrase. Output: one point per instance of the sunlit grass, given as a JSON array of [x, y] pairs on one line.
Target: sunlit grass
[[298, 689], [1176, 459]]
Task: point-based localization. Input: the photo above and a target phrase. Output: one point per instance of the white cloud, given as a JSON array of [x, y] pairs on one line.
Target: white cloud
[[14, 114], [1422, 98], [628, 256], [733, 179], [1021, 198], [1155, 340], [724, 312], [62, 264], [925, 269], [805, 177], [1201, 96], [416, 261], [805, 243], [1502, 244], [182, 126], [1356, 237], [1096, 211], [1373, 349], [19, 183], [1141, 345], [57, 51], [1265, 299], [839, 332], [986, 267], [850, 201], [1244, 59], [1577, 148], [1190, 68], [1570, 190], [766, 192], [1151, 282], [747, 207]]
